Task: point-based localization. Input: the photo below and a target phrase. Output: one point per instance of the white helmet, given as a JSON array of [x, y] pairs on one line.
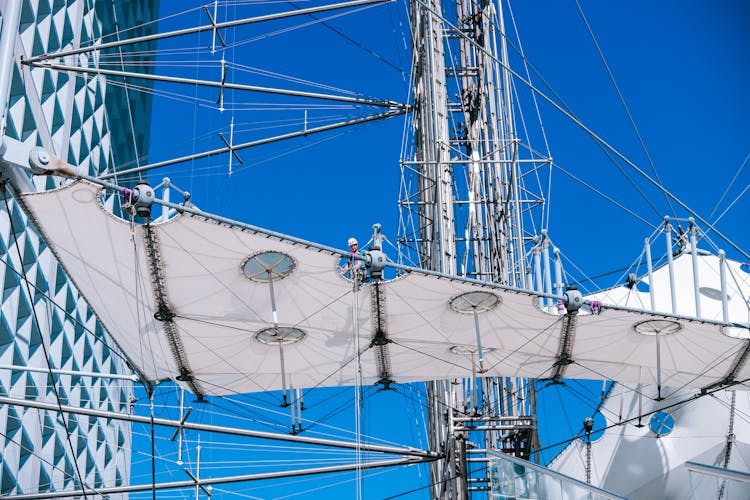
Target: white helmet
[[352, 241]]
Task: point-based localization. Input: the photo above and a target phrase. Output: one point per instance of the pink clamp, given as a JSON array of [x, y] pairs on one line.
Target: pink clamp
[[128, 195], [596, 307]]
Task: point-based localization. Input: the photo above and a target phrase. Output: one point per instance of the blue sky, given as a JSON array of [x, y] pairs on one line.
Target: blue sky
[[682, 66]]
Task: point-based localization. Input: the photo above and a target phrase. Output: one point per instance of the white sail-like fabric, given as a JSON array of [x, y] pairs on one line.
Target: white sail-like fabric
[[218, 312], [637, 456]]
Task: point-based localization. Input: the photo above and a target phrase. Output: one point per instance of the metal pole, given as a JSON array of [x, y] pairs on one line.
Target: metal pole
[[590, 132], [658, 368], [197, 471], [199, 29], [223, 480], [650, 266], [260, 142], [222, 85], [292, 407], [298, 400], [394, 265], [11, 20], [473, 382], [538, 273], [59, 371], [165, 197], [216, 428], [696, 278], [214, 30], [480, 353], [558, 272], [547, 272], [670, 263]]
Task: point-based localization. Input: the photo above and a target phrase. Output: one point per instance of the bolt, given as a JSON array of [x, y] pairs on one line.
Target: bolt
[[43, 157]]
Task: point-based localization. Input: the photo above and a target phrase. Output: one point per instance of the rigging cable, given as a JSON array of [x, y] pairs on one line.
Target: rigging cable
[[546, 216], [47, 359], [358, 378], [611, 200], [599, 140], [726, 191], [127, 93], [624, 104], [36, 454], [67, 315], [353, 41], [742, 193], [153, 445]]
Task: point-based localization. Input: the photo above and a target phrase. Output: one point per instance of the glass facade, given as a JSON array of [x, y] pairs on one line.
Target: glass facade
[[513, 479], [45, 323]]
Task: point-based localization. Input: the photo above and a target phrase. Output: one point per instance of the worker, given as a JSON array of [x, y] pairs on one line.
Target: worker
[[355, 266]]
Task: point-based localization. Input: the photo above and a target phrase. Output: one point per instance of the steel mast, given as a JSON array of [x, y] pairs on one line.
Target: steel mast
[[463, 209]]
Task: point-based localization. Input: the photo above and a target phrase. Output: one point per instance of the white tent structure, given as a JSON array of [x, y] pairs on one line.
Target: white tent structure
[[225, 308], [647, 456]]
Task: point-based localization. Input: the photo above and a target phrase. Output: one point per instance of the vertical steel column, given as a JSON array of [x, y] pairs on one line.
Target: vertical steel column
[[696, 277], [547, 271], [11, 21], [670, 263], [538, 272], [558, 272], [464, 122]]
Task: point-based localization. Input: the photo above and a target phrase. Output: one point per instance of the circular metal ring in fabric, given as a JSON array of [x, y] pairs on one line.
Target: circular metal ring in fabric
[[469, 349], [655, 327], [268, 266], [280, 335], [661, 423], [469, 302]]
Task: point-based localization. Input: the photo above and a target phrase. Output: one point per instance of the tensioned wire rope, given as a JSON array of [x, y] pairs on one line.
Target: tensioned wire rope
[[565, 109], [242, 301], [42, 342], [723, 357], [603, 429], [545, 217], [728, 188], [290, 483], [140, 294], [318, 421], [39, 456], [625, 106], [309, 390], [599, 140], [728, 355], [178, 244], [76, 321], [355, 42], [214, 64], [51, 302], [261, 447]]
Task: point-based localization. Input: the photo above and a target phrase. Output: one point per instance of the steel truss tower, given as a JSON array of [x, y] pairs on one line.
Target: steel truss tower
[[464, 209]]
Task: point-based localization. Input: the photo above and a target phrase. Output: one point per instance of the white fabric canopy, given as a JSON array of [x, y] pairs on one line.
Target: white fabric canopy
[[218, 311]]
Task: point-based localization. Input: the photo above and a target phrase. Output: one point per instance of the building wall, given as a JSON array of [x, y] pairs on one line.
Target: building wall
[[96, 126]]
